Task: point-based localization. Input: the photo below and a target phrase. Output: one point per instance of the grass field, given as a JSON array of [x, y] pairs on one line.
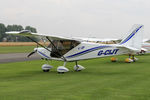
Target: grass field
[[102, 80], [16, 49]]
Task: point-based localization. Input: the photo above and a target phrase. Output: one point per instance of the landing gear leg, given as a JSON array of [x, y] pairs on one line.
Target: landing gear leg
[[133, 58], [77, 67], [129, 55]]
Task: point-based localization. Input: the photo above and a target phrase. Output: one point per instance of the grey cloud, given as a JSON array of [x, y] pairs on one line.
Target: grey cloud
[[101, 18]]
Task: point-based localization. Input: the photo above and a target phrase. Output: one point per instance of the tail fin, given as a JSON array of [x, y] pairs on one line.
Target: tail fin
[[134, 37]]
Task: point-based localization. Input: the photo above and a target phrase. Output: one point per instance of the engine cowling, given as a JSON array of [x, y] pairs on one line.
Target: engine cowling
[[44, 53]]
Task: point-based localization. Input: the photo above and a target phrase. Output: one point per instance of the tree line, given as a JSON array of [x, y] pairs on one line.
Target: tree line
[[11, 38]]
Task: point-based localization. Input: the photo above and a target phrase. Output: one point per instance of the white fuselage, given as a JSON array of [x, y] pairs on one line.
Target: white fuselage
[[86, 50]]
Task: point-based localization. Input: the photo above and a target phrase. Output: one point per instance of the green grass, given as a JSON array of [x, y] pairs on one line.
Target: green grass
[[16, 49], [101, 80]]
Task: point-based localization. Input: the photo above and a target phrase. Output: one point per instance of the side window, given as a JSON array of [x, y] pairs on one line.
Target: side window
[[63, 46]]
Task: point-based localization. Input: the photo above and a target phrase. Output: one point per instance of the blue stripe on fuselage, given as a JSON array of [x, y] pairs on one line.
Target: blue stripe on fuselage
[[87, 51], [43, 54]]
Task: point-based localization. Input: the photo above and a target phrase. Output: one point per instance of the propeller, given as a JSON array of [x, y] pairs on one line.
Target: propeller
[[35, 50]]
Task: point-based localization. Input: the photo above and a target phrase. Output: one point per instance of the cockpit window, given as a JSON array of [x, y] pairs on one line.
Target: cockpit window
[[63, 46]]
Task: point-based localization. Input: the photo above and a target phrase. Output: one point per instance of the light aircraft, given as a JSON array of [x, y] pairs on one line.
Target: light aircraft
[[73, 50], [145, 48]]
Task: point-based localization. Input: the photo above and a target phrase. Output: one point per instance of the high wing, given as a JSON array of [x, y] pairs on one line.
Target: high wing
[[58, 45], [28, 33], [56, 37]]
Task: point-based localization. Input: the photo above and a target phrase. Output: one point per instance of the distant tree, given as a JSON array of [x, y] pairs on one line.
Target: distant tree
[[2, 28], [13, 38], [19, 28], [9, 28], [14, 28], [32, 29], [2, 31]]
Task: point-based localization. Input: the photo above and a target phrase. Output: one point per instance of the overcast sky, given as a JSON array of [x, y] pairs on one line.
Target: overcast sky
[[85, 18]]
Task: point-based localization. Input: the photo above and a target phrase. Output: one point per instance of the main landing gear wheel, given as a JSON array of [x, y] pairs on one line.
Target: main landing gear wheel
[[128, 60], [46, 67], [46, 70], [78, 68], [60, 72], [131, 59], [62, 69]]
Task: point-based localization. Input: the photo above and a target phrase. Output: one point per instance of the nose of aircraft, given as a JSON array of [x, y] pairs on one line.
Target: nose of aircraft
[[35, 49], [43, 52], [40, 49]]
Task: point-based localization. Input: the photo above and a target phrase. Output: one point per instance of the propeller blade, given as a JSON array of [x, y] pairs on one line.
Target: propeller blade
[[32, 53]]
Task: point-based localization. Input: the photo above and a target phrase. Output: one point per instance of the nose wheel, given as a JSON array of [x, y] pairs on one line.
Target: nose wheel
[[46, 67]]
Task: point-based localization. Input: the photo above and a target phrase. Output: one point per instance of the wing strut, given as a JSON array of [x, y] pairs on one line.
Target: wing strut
[[40, 45], [56, 48]]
